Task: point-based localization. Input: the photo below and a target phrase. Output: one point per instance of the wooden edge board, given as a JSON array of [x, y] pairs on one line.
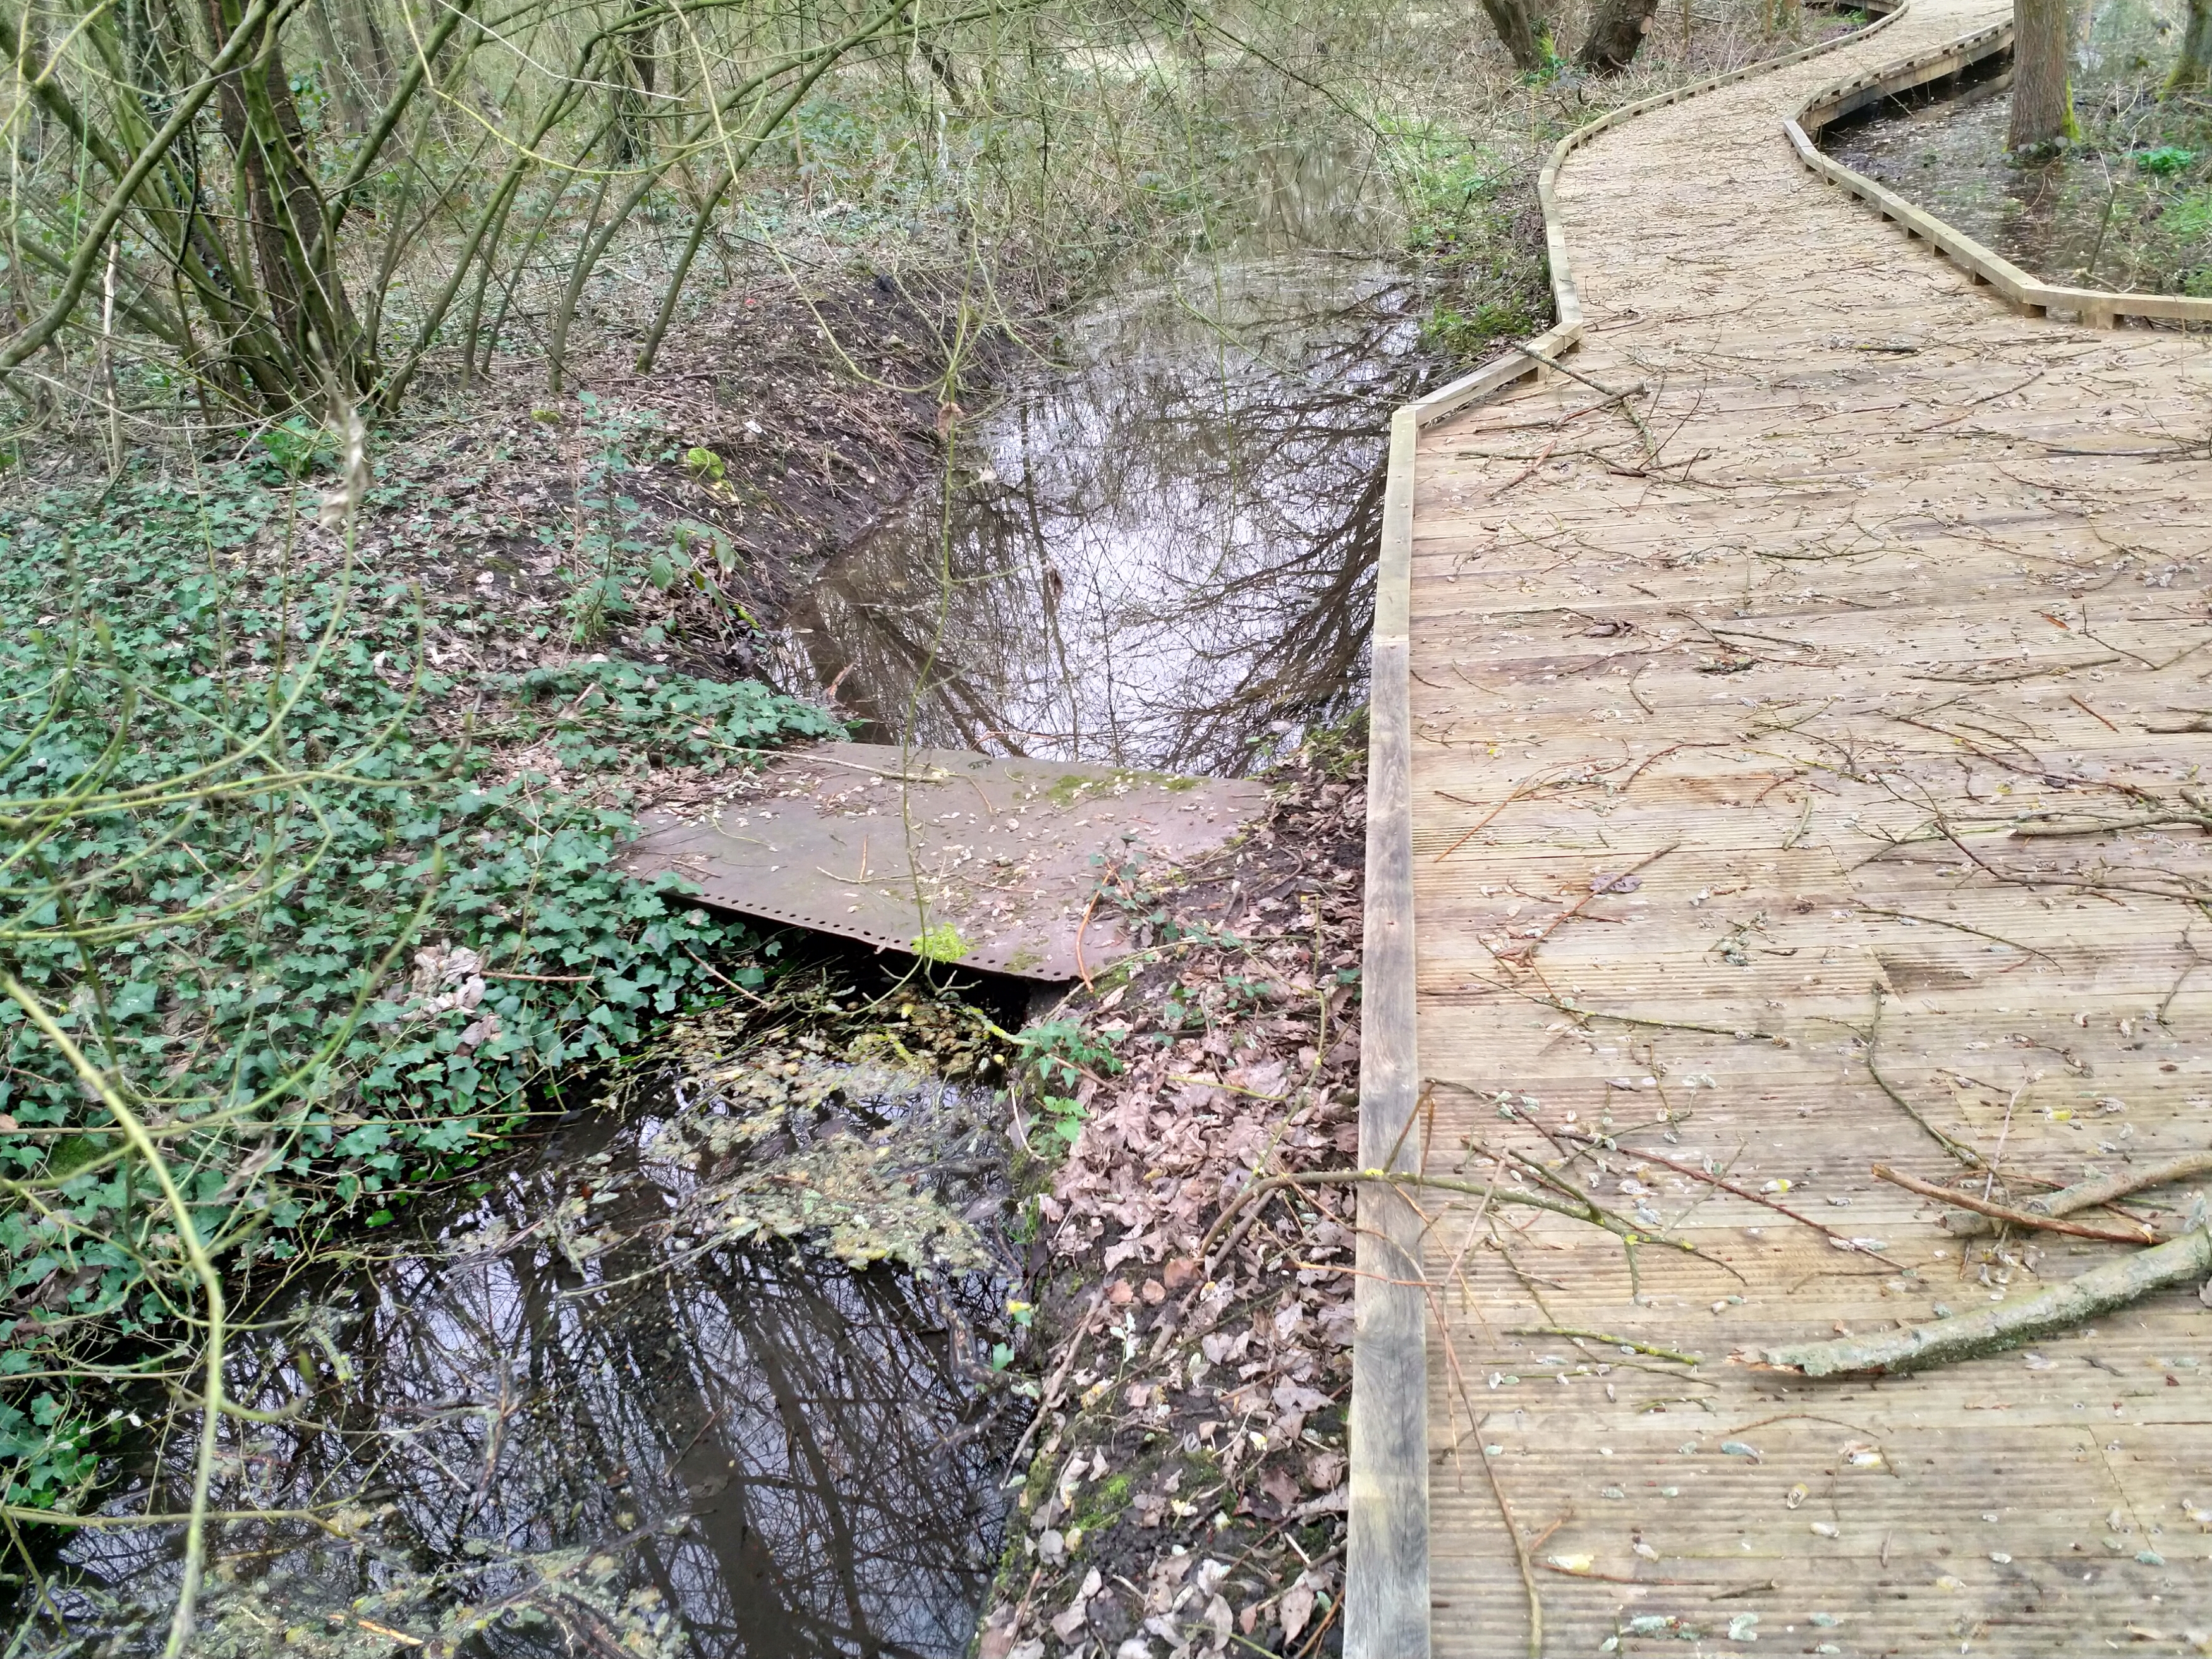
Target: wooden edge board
[[1386, 1592], [2022, 288]]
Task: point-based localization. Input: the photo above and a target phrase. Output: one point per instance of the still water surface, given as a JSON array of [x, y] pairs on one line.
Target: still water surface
[[577, 1417], [2091, 218], [1159, 550]]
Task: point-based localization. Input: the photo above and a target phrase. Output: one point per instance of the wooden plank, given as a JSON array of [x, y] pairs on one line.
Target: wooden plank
[[1968, 572], [1387, 1560], [980, 858]]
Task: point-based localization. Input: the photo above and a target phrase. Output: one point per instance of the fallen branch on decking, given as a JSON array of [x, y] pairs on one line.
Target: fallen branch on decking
[[2088, 1194], [2005, 1212], [1586, 1211], [2060, 1307]]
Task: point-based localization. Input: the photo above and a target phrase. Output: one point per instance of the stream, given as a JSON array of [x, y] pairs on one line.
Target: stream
[[602, 1400], [1157, 552]]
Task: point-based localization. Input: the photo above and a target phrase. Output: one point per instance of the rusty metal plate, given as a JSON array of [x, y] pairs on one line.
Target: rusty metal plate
[[971, 858]]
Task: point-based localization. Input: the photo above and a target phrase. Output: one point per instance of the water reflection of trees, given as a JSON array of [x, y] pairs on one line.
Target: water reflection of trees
[[498, 1407], [1171, 549]]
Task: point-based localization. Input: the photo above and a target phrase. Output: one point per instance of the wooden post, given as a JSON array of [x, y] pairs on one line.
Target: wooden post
[[1386, 1586]]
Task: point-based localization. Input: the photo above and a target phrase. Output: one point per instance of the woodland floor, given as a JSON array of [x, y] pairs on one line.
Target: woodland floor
[[1186, 1489]]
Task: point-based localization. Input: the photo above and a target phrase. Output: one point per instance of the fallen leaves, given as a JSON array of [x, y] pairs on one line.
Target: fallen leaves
[[1191, 1469]]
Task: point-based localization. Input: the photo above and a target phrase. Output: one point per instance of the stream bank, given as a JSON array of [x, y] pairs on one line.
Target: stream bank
[[1185, 1486], [2127, 207]]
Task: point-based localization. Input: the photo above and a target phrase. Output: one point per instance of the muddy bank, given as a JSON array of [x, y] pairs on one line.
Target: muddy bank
[[671, 517], [1185, 1487]]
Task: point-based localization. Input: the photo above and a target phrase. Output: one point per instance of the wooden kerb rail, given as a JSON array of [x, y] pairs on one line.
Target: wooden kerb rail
[[1386, 1608], [2095, 306]]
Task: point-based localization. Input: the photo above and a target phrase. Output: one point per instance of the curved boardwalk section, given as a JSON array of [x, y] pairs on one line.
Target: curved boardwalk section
[[1808, 697]]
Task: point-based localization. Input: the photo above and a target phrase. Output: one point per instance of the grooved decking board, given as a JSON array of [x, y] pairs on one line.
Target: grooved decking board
[[1870, 611]]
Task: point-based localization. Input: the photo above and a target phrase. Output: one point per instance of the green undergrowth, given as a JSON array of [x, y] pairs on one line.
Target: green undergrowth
[[1462, 200], [322, 913]]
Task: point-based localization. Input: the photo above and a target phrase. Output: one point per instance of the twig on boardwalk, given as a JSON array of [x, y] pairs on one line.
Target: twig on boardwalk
[[1599, 889], [2005, 1212], [1596, 1215], [2060, 1307], [1960, 928], [1723, 1591], [2088, 1194], [1520, 1548], [1606, 1337], [1988, 677], [1958, 1149], [1651, 449], [1741, 1033], [1528, 471], [1841, 1241], [1529, 786]]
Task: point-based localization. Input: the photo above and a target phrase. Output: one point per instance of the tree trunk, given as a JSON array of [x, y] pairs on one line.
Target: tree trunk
[[633, 92], [1616, 32], [373, 61], [1521, 32], [288, 218], [2194, 67], [339, 82], [2042, 103]]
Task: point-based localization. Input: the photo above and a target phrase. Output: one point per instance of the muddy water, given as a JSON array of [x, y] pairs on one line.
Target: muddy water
[[1156, 550], [2092, 218], [586, 1410]]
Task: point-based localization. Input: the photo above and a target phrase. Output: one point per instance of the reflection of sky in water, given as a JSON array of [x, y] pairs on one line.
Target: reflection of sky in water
[[1160, 551], [808, 1422]]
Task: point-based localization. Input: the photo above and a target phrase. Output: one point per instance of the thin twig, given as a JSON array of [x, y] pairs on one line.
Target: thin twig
[[1958, 1149], [1520, 1548], [2005, 1212], [1608, 1338]]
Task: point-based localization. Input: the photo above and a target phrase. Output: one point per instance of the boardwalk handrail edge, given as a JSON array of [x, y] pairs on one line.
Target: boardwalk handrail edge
[[1386, 1590], [2095, 306]]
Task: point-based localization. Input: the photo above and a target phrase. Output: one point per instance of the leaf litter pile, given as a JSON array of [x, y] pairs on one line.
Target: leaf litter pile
[[1187, 1492]]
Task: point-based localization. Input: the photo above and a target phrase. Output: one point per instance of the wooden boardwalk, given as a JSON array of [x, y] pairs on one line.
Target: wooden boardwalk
[[1805, 703]]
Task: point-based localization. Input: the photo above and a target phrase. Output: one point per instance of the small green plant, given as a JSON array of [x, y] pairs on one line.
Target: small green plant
[[1464, 334], [2187, 217], [704, 464], [1064, 1116], [607, 551], [2165, 160], [942, 942], [1062, 1051], [1244, 992], [298, 445]]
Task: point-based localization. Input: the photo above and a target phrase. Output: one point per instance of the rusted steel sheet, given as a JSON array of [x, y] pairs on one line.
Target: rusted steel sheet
[[979, 859]]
